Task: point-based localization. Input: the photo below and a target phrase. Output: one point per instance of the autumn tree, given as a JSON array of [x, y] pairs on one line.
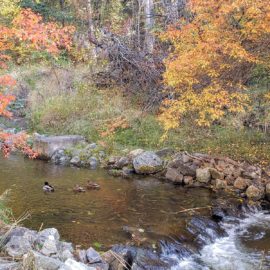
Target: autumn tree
[[214, 54], [27, 31]]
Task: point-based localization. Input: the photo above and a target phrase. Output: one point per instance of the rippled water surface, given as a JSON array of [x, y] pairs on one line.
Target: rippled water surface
[[95, 216]]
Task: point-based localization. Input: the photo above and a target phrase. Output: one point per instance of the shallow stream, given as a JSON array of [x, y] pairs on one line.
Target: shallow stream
[[97, 217]]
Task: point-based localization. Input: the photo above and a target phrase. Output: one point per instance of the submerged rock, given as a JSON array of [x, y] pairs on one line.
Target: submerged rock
[[147, 163]]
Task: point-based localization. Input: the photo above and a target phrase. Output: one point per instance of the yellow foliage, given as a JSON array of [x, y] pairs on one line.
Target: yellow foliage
[[212, 58], [9, 8]]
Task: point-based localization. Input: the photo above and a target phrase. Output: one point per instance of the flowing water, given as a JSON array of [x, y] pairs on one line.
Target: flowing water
[[97, 217]]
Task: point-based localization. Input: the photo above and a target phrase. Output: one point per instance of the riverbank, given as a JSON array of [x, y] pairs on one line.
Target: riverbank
[[180, 168], [25, 249]]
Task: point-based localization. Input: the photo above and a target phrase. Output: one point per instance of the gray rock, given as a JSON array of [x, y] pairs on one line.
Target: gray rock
[[71, 264], [93, 163], [27, 234], [188, 169], [60, 158], [254, 193], [75, 161], [50, 246], [121, 163], [93, 256], [82, 255], [135, 153], [65, 255], [147, 163], [91, 146], [9, 265], [115, 264], [50, 233], [203, 175], [113, 159], [100, 266], [18, 246], [47, 145], [174, 176], [36, 261]]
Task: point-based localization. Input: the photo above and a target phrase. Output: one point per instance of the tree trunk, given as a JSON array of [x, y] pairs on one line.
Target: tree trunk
[[91, 27], [149, 24]]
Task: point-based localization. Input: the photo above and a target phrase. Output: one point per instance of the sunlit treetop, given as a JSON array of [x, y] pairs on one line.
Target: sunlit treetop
[[213, 57]]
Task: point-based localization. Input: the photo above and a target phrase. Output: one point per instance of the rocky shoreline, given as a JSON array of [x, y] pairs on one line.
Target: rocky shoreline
[[25, 249], [181, 168]]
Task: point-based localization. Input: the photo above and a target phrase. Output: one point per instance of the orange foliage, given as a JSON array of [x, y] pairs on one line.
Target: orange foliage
[[29, 31], [212, 59], [118, 123]]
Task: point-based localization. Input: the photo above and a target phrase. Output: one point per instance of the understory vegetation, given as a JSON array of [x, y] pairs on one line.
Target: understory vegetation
[[148, 74]]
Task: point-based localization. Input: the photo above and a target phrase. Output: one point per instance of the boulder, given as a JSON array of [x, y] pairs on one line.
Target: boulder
[[50, 233], [241, 183], [27, 234], [93, 256], [188, 180], [75, 161], [174, 176], [36, 261], [71, 264], [93, 163], [254, 193], [221, 184], [50, 246], [91, 146], [9, 265], [122, 162], [60, 158], [17, 246], [135, 153], [203, 175], [215, 174], [45, 146], [115, 264], [147, 163], [183, 168]]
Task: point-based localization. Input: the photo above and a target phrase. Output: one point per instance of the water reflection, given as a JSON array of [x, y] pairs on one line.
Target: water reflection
[[96, 216]]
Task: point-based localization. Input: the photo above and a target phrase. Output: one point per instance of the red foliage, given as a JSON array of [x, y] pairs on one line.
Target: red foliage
[[27, 29]]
